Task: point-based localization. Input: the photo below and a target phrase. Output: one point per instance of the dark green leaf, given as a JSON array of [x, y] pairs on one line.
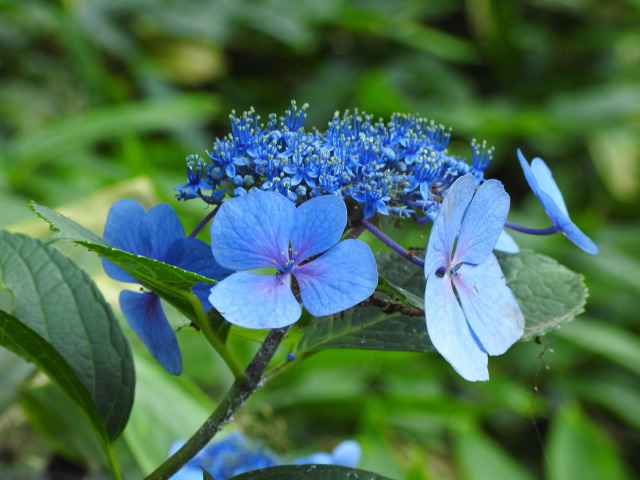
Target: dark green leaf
[[309, 472], [170, 282], [61, 314], [549, 294], [367, 328], [17, 337], [401, 278]]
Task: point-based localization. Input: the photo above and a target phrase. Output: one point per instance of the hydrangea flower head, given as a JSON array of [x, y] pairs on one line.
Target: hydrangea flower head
[[470, 311], [266, 230], [545, 188], [156, 234]]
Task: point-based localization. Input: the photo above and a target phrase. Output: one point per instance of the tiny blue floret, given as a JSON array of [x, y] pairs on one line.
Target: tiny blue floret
[[469, 309], [266, 230]]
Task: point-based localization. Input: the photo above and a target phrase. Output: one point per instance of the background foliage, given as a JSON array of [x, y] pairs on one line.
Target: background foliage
[[101, 100]]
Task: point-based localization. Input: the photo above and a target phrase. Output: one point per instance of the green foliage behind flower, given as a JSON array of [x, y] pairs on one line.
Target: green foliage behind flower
[[95, 92]]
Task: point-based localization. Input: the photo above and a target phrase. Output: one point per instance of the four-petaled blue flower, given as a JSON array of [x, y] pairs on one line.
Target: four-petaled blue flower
[[545, 188], [236, 454], [469, 309], [265, 230], [156, 234]]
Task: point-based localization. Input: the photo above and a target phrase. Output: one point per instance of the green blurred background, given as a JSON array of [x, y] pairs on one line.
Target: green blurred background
[[103, 99]]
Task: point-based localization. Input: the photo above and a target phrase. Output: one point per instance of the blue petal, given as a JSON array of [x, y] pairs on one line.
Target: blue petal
[[347, 454], [489, 306], [320, 224], [122, 231], [482, 223], [447, 224], [195, 256], [320, 458], [449, 331], [253, 231], [547, 184], [544, 187], [341, 278], [256, 301], [506, 243], [160, 228], [144, 313]]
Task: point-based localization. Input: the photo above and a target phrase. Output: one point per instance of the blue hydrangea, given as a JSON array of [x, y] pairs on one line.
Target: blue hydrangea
[[401, 165], [236, 454], [470, 311], [156, 234], [545, 188], [265, 230]]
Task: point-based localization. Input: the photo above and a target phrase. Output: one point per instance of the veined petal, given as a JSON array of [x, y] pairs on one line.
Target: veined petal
[[482, 223], [122, 231], [144, 313], [447, 224], [489, 306], [320, 223], [256, 301], [253, 231], [160, 228], [449, 331], [341, 278]]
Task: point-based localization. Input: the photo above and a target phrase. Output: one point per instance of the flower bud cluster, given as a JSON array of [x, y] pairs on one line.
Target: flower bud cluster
[[396, 167]]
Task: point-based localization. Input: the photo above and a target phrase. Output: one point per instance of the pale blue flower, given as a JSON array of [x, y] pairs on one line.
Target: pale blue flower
[[545, 188], [265, 230], [470, 311]]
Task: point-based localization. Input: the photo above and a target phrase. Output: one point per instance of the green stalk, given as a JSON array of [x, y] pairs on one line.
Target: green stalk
[[212, 337], [237, 395]]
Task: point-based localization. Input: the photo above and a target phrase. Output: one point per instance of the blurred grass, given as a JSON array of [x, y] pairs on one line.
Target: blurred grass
[[96, 93]]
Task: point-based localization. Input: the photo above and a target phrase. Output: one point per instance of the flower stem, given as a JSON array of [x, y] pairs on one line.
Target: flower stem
[[212, 337], [531, 231], [204, 221], [237, 395], [393, 245]]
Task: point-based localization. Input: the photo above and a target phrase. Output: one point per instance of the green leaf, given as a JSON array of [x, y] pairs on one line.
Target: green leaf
[[172, 283], [578, 449], [309, 472], [549, 294], [480, 457], [206, 475], [65, 135], [19, 338], [401, 278], [367, 328], [61, 322], [167, 407], [612, 342]]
